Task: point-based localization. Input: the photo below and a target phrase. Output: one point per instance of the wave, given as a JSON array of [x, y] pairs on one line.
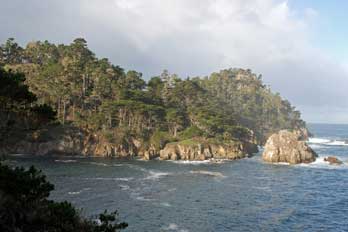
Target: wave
[[65, 161], [198, 162], [173, 227], [194, 162], [165, 204], [209, 173], [18, 155], [124, 178], [321, 163], [136, 167], [111, 178], [156, 175], [124, 187], [141, 198], [328, 142], [74, 193], [98, 164], [317, 146]]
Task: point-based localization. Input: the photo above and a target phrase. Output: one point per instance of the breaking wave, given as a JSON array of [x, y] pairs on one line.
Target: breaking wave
[[208, 173], [65, 161], [74, 193], [156, 175], [328, 142], [320, 163]]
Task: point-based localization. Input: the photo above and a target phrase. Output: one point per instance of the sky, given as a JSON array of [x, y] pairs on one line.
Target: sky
[[299, 47]]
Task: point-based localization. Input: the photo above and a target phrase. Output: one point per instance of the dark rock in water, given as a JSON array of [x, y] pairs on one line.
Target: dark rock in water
[[289, 147], [333, 160]]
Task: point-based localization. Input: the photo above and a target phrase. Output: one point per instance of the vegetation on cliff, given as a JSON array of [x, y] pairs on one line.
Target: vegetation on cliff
[[105, 100], [24, 206]]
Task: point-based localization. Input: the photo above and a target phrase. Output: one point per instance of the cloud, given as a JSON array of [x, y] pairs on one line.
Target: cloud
[[196, 37]]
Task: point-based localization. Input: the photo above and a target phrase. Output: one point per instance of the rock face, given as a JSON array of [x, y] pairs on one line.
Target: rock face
[[69, 141], [333, 160], [286, 146], [201, 150], [72, 141]]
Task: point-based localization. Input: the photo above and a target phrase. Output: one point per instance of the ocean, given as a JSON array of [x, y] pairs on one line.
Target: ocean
[[241, 195]]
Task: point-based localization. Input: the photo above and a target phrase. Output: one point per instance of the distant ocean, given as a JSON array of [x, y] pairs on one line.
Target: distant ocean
[[242, 195]]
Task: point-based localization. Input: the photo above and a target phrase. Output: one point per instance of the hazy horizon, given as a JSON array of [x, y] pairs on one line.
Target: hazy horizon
[[298, 47]]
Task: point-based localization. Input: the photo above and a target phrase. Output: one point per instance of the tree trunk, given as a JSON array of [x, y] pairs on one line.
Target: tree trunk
[[64, 111], [73, 112], [175, 130], [58, 110]]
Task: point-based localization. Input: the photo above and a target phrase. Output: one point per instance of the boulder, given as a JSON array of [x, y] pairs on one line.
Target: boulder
[[150, 153], [333, 160], [286, 146]]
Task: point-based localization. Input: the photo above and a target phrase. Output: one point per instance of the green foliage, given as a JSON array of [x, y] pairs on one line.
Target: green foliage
[[99, 97], [24, 206], [191, 132], [160, 138], [19, 109], [13, 92]]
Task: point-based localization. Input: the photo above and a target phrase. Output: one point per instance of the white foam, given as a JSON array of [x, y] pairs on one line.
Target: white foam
[[281, 163], [117, 165], [209, 173], [194, 162], [18, 155], [140, 198], [165, 204], [74, 193], [320, 163], [124, 178], [198, 162], [316, 146], [327, 142], [66, 161], [98, 164], [173, 227], [136, 167], [156, 175], [337, 143], [111, 178], [124, 187], [318, 140]]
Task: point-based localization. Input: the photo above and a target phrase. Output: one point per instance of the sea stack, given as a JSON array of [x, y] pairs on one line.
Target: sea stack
[[288, 147]]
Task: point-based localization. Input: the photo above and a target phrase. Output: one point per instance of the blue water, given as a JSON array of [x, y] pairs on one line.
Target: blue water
[[242, 195]]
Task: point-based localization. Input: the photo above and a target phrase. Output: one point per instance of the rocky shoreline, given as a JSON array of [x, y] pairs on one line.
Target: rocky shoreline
[[284, 146], [71, 141]]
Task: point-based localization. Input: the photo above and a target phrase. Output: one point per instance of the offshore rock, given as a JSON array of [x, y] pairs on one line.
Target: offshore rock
[[289, 147], [333, 160]]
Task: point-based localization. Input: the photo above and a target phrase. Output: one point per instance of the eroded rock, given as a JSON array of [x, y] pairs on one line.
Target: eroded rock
[[202, 150], [286, 146], [333, 160]]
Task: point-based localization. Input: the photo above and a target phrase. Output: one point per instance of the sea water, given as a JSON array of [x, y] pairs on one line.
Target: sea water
[[242, 195]]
